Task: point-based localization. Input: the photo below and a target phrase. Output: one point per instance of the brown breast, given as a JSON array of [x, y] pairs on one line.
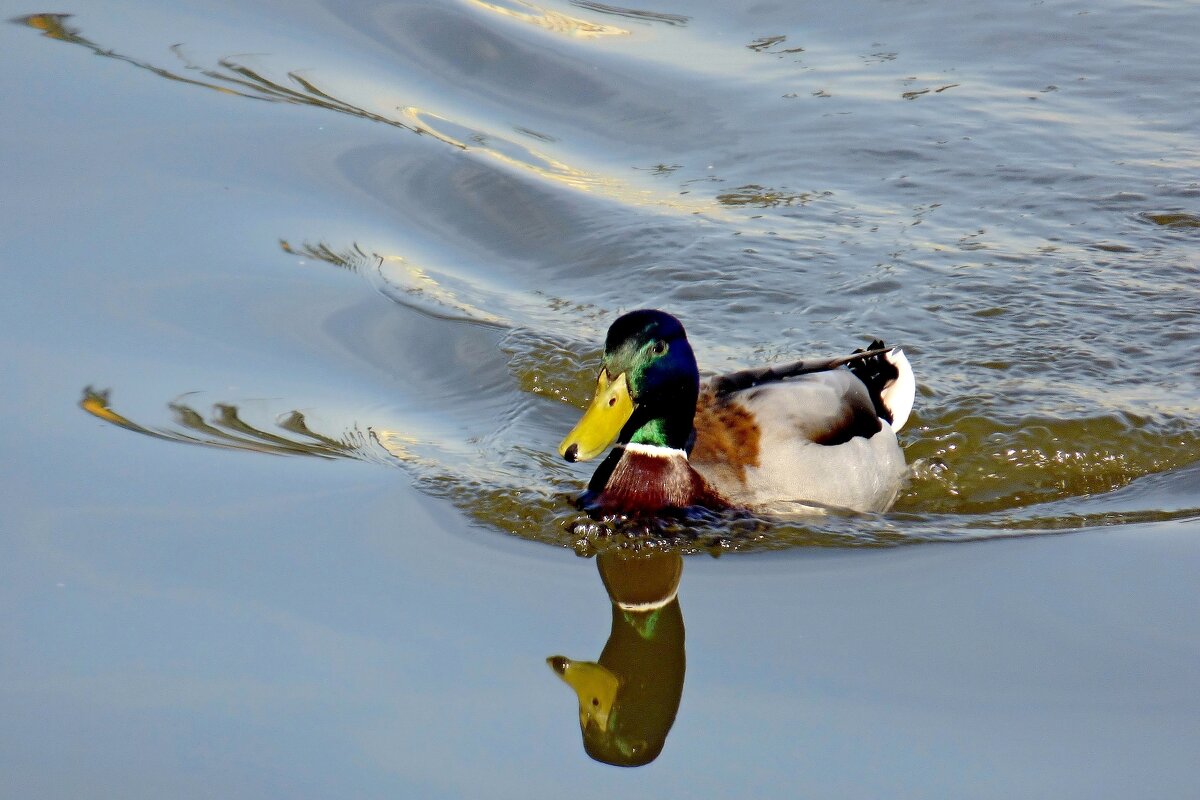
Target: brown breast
[[646, 484]]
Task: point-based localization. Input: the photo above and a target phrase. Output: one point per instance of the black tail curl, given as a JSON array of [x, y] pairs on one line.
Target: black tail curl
[[876, 372]]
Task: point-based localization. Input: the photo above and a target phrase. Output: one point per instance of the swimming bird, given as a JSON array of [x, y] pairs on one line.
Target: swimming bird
[[805, 436]]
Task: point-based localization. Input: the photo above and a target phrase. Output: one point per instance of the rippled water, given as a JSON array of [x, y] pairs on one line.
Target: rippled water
[[397, 232]]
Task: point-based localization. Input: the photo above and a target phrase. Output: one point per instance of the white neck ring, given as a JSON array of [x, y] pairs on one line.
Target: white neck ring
[[654, 450]]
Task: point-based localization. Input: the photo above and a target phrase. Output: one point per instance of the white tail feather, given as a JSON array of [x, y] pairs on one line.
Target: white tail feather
[[899, 393]]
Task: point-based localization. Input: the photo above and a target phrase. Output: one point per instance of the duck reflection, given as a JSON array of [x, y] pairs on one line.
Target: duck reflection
[[628, 698]]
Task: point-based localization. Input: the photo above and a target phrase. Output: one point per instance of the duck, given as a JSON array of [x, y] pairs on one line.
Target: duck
[[808, 436]]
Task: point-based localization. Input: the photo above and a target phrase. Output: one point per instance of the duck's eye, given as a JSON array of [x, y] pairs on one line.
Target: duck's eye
[[658, 348]]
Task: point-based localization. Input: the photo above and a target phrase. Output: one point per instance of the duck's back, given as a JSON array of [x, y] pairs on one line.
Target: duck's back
[[812, 439]]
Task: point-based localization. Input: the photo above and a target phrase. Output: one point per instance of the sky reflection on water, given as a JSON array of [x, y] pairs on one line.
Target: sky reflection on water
[[405, 252]]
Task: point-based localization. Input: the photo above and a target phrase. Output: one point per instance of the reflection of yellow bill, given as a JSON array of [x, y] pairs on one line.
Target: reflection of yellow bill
[[96, 404], [610, 409], [595, 685]]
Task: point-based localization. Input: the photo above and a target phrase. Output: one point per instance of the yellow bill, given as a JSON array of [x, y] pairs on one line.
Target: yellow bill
[[610, 409], [595, 685]]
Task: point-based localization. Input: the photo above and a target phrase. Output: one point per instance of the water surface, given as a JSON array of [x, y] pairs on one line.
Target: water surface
[[384, 241]]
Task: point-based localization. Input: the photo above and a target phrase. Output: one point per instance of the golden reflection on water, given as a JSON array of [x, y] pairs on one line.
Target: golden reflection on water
[[224, 428], [629, 696], [411, 279], [397, 278], [52, 25], [554, 21], [232, 78], [513, 154]]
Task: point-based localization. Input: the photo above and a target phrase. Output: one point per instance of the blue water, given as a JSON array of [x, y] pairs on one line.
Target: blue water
[[386, 241]]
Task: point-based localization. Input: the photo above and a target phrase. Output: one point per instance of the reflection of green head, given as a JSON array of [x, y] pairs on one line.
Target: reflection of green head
[[628, 699]]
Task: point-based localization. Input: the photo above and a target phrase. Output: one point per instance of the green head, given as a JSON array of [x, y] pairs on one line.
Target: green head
[[647, 389]]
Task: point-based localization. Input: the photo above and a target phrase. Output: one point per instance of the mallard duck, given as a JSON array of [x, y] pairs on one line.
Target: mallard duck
[[807, 435]]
